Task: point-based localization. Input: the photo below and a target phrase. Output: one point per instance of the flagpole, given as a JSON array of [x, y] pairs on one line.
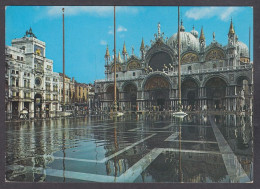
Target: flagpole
[[115, 100], [63, 59], [179, 62], [249, 42]]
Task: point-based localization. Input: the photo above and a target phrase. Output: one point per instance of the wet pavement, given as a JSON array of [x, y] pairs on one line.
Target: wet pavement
[[136, 148]]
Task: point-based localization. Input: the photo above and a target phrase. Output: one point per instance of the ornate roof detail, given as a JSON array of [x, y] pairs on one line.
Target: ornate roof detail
[[124, 52], [182, 28], [231, 28], [107, 53], [202, 36], [194, 32], [242, 49], [159, 38], [142, 45], [188, 41], [30, 33], [119, 57]]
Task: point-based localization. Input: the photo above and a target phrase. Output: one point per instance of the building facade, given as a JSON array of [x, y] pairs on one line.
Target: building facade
[[213, 77], [31, 86]]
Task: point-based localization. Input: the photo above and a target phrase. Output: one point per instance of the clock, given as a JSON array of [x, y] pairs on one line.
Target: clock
[[38, 50], [38, 81]]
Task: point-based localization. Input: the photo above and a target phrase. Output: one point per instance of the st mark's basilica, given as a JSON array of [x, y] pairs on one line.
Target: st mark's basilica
[[213, 77]]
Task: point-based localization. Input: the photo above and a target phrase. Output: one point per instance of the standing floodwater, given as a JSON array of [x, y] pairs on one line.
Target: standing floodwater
[[145, 148]]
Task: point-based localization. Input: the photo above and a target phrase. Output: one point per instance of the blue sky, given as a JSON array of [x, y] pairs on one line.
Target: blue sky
[[89, 29]]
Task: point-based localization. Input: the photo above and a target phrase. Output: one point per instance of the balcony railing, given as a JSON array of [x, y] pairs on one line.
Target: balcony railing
[[190, 72]]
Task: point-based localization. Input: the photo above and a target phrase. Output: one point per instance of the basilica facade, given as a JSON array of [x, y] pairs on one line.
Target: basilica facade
[[213, 77]]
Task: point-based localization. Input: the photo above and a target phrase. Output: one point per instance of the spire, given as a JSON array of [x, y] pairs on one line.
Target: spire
[[119, 57], [182, 29], [202, 37], [107, 53], [142, 49], [159, 29], [142, 45], [124, 52], [231, 28], [214, 36]]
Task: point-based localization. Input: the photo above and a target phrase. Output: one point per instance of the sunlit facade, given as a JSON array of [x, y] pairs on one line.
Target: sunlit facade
[[31, 85], [213, 77]]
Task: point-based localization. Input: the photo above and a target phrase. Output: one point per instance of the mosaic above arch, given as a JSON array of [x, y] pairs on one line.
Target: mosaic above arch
[[156, 82], [189, 57], [244, 59], [133, 65], [118, 68], [215, 54]]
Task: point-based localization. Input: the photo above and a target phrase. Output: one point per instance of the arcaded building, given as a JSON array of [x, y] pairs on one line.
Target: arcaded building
[[30, 82], [213, 77]]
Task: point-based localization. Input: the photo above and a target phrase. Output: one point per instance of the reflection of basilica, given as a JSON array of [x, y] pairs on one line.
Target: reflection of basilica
[[213, 76]]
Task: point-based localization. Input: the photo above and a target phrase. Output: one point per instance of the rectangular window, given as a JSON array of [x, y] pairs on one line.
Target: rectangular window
[[48, 86], [17, 72], [133, 73], [116, 75], [18, 57], [21, 58], [13, 72]]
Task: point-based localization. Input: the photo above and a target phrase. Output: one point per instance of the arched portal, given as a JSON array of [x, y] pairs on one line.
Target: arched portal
[[216, 92], [189, 91], [157, 93], [38, 106], [130, 96], [109, 96]]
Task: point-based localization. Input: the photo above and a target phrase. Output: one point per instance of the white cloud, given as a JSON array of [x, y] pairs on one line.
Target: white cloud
[[223, 13], [226, 15], [103, 42], [121, 29], [92, 10], [110, 32]]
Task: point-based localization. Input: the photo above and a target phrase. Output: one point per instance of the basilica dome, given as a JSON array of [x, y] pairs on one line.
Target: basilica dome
[[194, 32], [242, 49], [189, 40]]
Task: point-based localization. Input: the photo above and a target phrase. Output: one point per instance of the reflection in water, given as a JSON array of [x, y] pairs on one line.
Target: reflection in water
[[101, 146]]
